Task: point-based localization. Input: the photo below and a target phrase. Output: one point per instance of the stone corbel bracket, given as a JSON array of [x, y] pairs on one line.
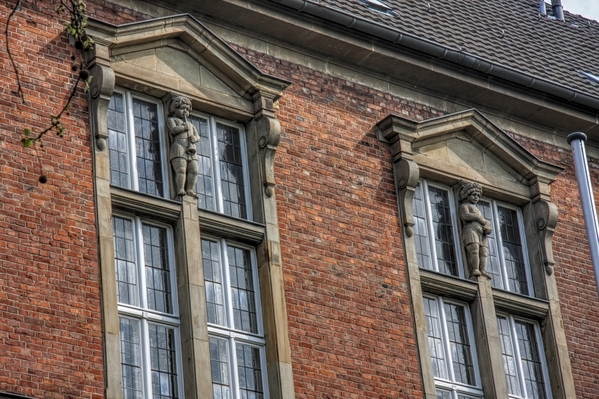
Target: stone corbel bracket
[[101, 88], [546, 213], [269, 135], [406, 171]]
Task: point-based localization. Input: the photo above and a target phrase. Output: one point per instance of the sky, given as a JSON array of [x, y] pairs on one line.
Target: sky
[[586, 8]]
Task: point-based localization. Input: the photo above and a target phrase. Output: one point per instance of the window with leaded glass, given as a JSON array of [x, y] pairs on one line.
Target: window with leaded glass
[[135, 144], [236, 336], [148, 316], [435, 229], [523, 358], [222, 177], [507, 263], [451, 345], [438, 246]]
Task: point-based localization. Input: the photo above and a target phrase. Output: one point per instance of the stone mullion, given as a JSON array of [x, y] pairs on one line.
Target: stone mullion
[[192, 303], [488, 342]]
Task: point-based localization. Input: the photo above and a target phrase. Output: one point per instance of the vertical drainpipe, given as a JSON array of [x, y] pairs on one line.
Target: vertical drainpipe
[[558, 9]]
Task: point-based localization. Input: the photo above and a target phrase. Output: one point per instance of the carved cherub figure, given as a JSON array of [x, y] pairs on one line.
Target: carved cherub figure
[[475, 228], [182, 153]]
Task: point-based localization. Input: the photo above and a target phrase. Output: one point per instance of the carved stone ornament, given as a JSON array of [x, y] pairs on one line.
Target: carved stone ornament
[[475, 228], [182, 154]]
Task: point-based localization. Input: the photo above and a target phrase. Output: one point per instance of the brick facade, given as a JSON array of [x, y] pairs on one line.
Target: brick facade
[[350, 321]]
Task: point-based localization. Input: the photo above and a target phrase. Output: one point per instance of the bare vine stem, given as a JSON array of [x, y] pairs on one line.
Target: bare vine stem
[[12, 61], [75, 28]]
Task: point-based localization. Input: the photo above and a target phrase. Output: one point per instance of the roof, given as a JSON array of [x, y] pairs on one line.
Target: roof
[[511, 33]]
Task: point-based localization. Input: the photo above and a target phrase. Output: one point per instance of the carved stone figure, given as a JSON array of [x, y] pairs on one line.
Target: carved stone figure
[[182, 153], [475, 228]]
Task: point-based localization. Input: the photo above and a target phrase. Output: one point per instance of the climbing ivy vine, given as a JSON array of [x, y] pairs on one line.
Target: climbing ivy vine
[[75, 29]]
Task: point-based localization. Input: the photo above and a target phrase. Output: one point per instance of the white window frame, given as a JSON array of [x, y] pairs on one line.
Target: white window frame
[[516, 347], [430, 227], [215, 161], [457, 388], [131, 147], [146, 316], [229, 332], [499, 239]]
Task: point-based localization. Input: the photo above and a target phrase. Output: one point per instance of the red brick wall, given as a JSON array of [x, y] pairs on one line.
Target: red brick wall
[[50, 320], [350, 319], [351, 327]]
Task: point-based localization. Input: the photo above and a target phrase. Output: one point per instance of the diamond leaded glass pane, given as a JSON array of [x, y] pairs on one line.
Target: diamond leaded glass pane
[[163, 362], [512, 250], [158, 278], [124, 261], [117, 142], [242, 289], [147, 147], [249, 372], [205, 182], [215, 303], [231, 171], [443, 231]]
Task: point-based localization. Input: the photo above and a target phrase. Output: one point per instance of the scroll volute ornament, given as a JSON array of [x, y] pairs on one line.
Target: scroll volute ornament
[[100, 91], [407, 174], [546, 214]]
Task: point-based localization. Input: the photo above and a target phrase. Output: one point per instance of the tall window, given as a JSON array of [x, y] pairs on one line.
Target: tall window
[[222, 177], [236, 336], [452, 349], [436, 229], [148, 315], [135, 143], [523, 358], [438, 246]]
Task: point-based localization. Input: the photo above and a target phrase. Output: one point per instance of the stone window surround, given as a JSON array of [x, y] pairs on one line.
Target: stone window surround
[[529, 189], [254, 107]]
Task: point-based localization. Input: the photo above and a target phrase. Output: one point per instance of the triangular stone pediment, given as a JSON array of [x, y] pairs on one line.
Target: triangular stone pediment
[[179, 54], [466, 145]]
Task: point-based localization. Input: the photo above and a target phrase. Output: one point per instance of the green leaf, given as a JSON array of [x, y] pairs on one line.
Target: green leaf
[[26, 142], [26, 132]]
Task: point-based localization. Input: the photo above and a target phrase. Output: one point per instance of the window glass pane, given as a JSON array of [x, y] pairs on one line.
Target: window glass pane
[[242, 289], [205, 183], [213, 282], [158, 280], [433, 323], [231, 171], [459, 343], [423, 250], [442, 394], [124, 261], [531, 363], [509, 359], [443, 231], [147, 147], [249, 372], [493, 262], [512, 250], [131, 358], [219, 364], [117, 142], [163, 362]]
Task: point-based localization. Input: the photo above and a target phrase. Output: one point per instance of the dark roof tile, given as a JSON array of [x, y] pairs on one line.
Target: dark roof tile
[[507, 32]]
